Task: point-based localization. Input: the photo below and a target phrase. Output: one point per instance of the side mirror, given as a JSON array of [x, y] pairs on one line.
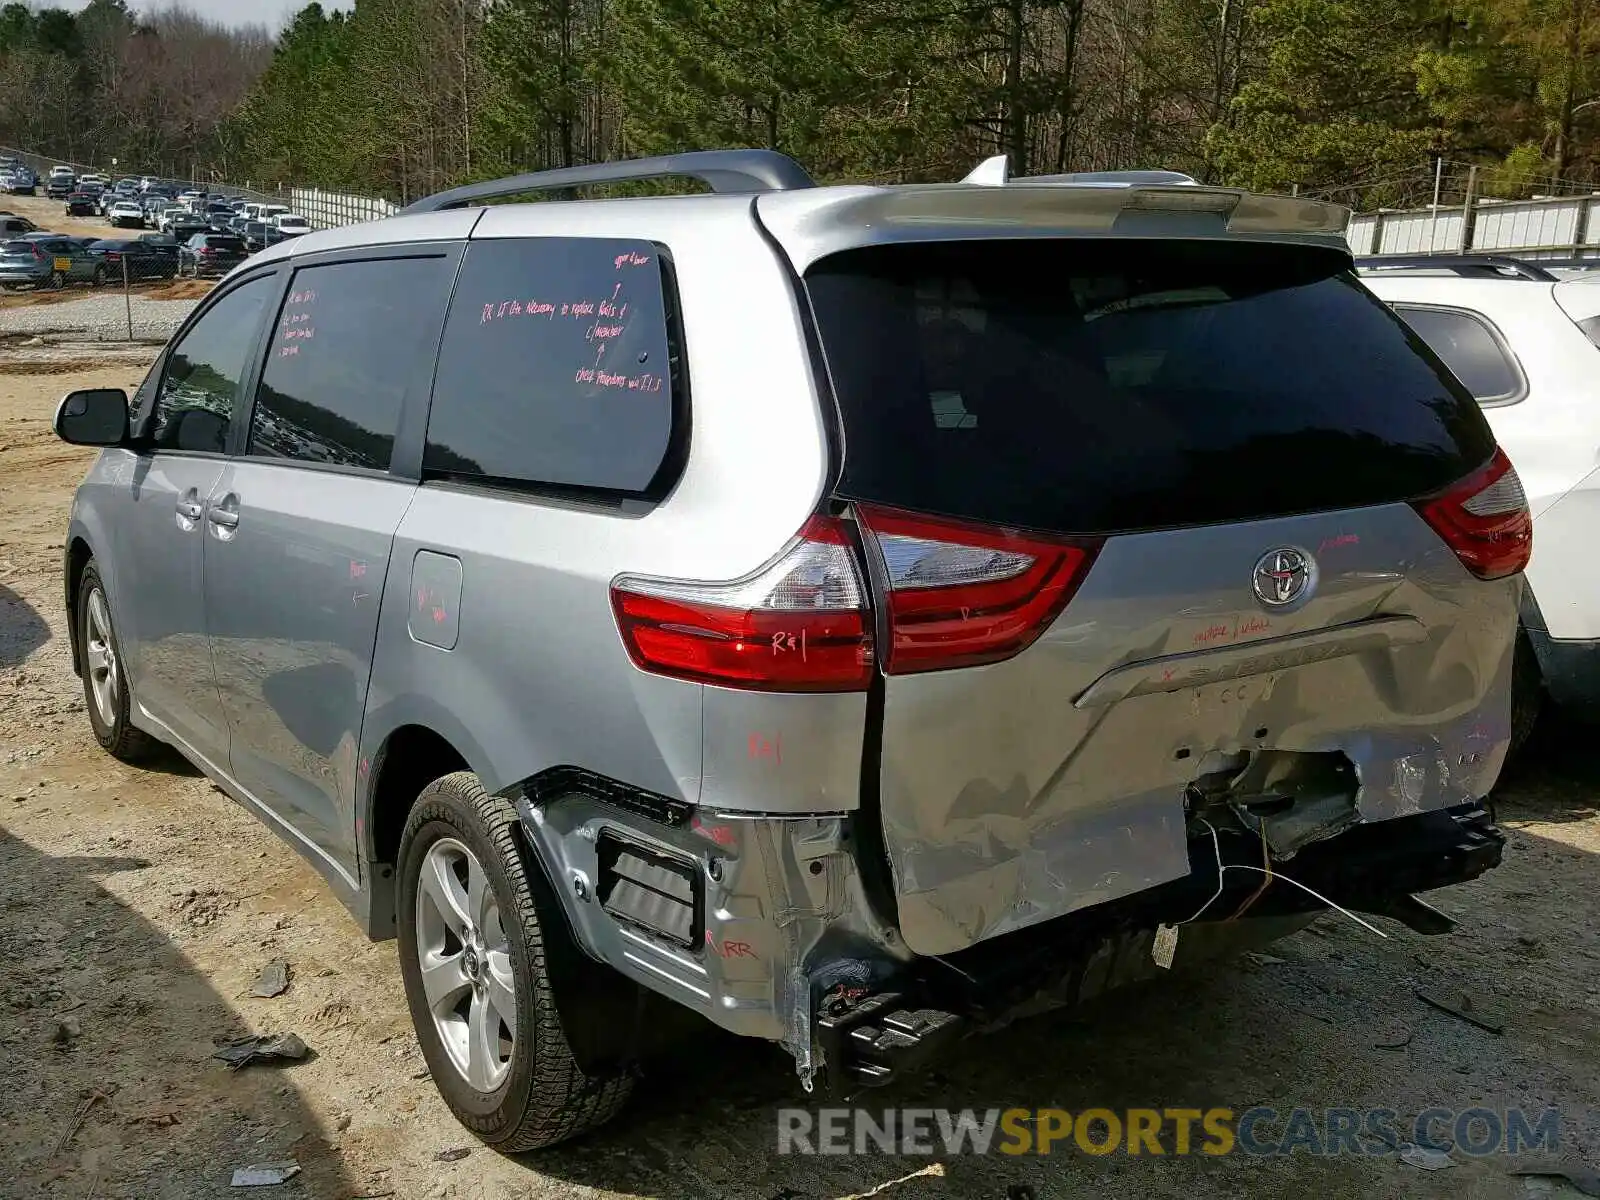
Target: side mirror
[[93, 417]]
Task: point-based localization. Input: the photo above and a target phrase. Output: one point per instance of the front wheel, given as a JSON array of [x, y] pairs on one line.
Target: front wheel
[[105, 679], [487, 964]]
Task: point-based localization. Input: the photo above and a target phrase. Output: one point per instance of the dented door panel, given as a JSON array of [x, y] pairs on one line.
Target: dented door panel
[[1008, 800]]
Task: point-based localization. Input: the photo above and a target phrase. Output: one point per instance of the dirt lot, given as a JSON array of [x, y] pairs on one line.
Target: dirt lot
[[52, 215], [136, 908]]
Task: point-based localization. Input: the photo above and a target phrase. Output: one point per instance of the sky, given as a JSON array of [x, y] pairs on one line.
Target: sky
[[271, 13]]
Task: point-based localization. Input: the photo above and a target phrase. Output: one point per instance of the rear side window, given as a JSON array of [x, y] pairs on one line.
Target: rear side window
[[1109, 385], [1471, 348], [1591, 330], [348, 343], [557, 367]]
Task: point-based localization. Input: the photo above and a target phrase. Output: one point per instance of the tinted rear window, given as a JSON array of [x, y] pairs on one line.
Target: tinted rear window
[[225, 243], [1096, 386], [17, 248]]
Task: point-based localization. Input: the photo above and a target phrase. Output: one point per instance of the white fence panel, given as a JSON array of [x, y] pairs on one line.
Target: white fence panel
[[1527, 224], [1360, 232], [328, 210], [1424, 232]]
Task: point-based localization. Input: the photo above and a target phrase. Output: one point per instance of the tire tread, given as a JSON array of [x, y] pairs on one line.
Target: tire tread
[[563, 1101]]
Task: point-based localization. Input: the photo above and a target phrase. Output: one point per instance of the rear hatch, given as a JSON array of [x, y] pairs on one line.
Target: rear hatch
[[19, 256], [1149, 521]]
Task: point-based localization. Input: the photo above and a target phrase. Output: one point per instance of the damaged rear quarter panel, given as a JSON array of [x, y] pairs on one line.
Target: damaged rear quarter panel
[[1006, 803]]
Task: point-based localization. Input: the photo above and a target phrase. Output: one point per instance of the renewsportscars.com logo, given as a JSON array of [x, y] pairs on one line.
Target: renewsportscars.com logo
[[1257, 1131]]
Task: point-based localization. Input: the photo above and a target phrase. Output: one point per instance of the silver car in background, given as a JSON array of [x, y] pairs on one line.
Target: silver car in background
[[851, 614]]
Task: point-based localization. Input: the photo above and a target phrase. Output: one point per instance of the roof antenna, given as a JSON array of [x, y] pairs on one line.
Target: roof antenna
[[991, 172]]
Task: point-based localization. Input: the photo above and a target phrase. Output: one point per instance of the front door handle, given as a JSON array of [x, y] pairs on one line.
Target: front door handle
[[228, 520], [190, 510]]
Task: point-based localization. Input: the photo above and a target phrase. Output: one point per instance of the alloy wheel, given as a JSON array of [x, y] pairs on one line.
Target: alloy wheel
[[464, 958], [100, 657]]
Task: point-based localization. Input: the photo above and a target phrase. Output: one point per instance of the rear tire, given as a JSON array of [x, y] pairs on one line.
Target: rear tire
[[105, 679], [57, 281], [99, 277], [538, 1094], [1527, 694]]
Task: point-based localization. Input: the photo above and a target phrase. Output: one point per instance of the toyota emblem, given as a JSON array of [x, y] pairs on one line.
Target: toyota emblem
[[1283, 577]]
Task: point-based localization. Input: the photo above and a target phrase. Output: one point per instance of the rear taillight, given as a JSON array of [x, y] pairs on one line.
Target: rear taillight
[[799, 624], [1485, 520], [962, 594], [37, 252]]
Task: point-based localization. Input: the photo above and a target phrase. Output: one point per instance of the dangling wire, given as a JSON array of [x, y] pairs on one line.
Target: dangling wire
[[1271, 875]]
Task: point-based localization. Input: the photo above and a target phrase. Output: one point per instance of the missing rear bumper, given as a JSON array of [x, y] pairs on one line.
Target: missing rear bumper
[[870, 1039]]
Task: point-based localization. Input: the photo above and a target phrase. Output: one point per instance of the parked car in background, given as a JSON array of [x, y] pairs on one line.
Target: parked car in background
[[13, 226], [145, 260], [258, 235], [81, 204], [154, 203], [61, 183], [22, 182], [217, 215], [291, 224], [95, 178], [1115, 554], [184, 227], [44, 263], [1526, 344], [126, 214], [210, 254], [258, 211]]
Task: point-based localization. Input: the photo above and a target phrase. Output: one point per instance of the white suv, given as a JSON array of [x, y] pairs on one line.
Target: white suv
[[1525, 342]]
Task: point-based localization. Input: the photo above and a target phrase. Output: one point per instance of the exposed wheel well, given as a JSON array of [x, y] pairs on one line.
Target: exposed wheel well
[[78, 556], [412, 757]]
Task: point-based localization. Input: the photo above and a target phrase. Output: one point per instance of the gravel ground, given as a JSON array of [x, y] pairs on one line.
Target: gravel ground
[[102, 317]]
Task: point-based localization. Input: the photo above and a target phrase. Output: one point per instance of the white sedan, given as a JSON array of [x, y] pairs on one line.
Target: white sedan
[[125, 212]]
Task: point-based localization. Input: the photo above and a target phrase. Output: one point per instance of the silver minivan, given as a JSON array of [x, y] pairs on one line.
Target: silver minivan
[[853, 614]]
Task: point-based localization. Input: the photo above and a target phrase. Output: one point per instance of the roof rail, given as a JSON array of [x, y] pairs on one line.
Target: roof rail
[[720, 170], [1481, 266]]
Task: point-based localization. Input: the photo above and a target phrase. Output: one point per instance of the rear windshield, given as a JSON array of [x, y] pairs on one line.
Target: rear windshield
[[1097, 386], [225, 243], [17, 248]]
